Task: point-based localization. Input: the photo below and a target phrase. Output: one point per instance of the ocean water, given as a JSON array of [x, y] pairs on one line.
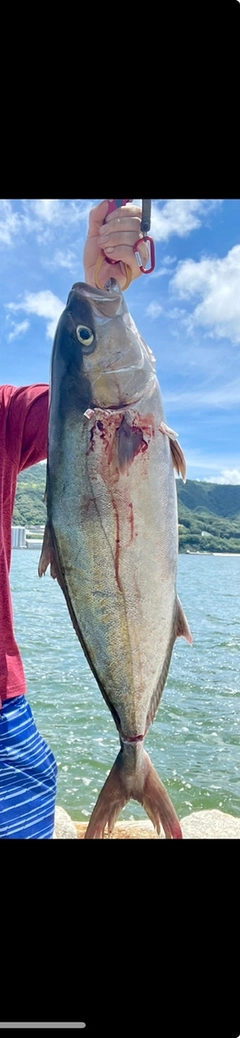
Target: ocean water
[[194, 742]]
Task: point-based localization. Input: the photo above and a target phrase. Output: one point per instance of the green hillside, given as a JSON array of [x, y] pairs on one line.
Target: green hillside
[[210, 497], [209, 516], [209, 513], [30, 509]]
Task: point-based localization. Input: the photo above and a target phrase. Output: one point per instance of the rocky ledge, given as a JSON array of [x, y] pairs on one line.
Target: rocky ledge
[[201, 825]]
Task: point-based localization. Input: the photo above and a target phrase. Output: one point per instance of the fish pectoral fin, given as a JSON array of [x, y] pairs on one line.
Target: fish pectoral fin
[[47, 557], [178, 458], [182, 628]]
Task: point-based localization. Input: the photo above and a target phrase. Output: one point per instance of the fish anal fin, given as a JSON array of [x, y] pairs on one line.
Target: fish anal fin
[[182, 629]]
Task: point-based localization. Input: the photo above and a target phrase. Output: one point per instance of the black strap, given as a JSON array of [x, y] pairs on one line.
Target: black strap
[[146, 215]]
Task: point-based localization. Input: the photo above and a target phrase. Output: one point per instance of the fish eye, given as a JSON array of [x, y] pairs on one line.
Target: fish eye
[[85, 335]]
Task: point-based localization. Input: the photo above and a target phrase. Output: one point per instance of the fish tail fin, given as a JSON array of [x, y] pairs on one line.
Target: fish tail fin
[[158, 805], [133, 777], [110, 803]]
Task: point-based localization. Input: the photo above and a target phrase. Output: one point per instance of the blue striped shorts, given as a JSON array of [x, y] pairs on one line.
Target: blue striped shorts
[[28, 776]]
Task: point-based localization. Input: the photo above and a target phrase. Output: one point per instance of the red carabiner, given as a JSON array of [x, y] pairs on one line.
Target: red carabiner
[[146, 237]]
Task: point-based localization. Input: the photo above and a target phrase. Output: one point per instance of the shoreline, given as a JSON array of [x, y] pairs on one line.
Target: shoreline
[[37, 544], [219, 554], [201, 825]]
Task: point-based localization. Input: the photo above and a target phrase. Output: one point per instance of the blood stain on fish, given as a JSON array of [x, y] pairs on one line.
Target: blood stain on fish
[[146, 423], [117, 552], [131, 521]]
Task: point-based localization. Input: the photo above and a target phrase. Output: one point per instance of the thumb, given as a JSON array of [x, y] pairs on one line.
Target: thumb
[[97, 217]]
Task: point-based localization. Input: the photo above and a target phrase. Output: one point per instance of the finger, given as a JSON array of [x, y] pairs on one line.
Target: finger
[[125, 254], [118, 226], [123, 212], [122, 227], [120, 237]]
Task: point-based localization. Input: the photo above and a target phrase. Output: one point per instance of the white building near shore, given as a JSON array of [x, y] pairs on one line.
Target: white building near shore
[[19, 537], [24, 538]]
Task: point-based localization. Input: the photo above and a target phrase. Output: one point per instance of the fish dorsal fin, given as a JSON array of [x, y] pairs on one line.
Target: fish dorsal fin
[[178, 458], [182, 628]]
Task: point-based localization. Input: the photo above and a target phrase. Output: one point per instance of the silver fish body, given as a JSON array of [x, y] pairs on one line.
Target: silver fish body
[[112, 531]]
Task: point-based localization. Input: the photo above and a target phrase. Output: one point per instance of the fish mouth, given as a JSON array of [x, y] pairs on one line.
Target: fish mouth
[[106, 302]]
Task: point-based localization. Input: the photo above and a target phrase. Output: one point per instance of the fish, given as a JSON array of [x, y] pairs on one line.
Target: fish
[[111, 536]]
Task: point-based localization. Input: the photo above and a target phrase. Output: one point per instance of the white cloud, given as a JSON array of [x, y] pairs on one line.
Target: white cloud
[[43, 215], [153, 310], [180, 216], [165, 269], [18, 329], [170, 259], [48, 209], [176, 313], [217, 281], [40, 217], [54, 211], [224, 397], [9, 222], [211, 467], [66, 259], [42, 304], [231, 476], [160, 273]]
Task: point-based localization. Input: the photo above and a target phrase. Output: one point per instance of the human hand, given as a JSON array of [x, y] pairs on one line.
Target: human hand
[[116, 237]]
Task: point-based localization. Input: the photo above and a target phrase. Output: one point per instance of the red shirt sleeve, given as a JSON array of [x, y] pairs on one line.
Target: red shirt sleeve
[[27, 425], [23, 442]]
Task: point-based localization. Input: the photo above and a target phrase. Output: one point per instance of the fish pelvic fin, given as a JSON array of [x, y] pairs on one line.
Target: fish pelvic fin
[[133, 776], [45, 557], [178, 459], [182, 628]]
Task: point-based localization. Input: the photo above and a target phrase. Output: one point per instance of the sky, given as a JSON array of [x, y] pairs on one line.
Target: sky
[[187, 310]]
